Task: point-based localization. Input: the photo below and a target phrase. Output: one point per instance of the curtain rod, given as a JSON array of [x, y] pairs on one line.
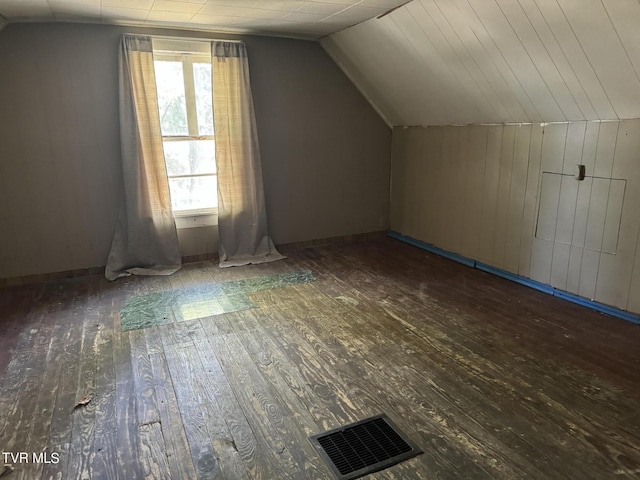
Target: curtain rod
[[197, 39]]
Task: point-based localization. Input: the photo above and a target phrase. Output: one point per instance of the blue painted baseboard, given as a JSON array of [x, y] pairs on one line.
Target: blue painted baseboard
[[433, 249], [542, 287]]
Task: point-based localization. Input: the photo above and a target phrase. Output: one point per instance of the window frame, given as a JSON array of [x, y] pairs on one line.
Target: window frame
[[199, 216]]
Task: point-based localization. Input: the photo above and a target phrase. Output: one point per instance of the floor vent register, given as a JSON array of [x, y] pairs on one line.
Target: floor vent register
[[364, 447]]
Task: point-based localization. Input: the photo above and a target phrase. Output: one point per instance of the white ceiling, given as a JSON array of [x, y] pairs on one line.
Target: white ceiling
[[294, 18], [428, 62], [439, 62]]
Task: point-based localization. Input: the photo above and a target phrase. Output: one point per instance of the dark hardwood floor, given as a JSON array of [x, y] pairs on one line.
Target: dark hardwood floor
[[489, 378]]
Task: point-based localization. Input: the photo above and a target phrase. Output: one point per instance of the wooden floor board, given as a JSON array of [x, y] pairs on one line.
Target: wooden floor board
[[176, 442], [126, 427], [310, 414], [84, 418], [45, 375], [366, 384], [104, 463], [262, 414], [19, 383], [531, 330], [478, 367], [60, 429], [152, 451], [291, 435], [243, 439], [185, 369], [506, 354], [221, 428], [490, 379]]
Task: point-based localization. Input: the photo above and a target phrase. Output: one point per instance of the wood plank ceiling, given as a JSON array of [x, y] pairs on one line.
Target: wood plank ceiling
[[441, 62]]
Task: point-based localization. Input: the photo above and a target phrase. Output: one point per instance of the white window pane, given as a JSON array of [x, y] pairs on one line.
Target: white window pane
[[202, 80], [190, 157], [194, 193], [171, 98]]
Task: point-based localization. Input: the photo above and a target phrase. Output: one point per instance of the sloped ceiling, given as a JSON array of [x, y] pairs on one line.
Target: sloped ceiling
[[438, 62]]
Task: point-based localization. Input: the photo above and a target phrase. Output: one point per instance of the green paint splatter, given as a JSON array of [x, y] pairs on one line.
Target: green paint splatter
[[203, 301]]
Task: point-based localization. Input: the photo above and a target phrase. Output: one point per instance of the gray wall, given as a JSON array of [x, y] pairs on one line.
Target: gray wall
[[325, 151], [506, 195]]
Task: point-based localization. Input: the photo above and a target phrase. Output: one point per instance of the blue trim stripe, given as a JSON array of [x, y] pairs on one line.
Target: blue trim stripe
[[600, 307], [433, 249], [542, 287], [527, 282]]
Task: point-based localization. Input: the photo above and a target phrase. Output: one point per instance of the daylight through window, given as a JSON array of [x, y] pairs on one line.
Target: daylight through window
[[186, 119]]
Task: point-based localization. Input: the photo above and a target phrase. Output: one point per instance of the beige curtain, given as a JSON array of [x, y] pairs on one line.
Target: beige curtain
[[145, 241], [242, 215]]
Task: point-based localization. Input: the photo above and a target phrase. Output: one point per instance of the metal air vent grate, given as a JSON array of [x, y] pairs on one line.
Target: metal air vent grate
[[363, 447]]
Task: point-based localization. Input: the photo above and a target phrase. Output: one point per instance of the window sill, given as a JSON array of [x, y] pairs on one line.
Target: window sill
[[195, 220]]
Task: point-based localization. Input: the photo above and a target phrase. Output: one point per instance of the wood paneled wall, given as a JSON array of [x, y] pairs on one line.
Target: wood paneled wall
[[442, 62], [507, 195]]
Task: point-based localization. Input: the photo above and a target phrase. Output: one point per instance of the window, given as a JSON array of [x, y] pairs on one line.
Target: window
[[183, 81]]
